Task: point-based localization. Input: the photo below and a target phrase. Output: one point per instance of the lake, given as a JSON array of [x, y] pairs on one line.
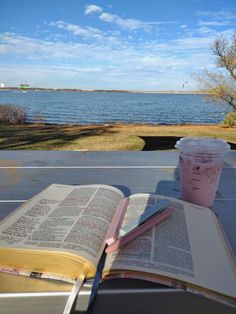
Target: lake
[[104, 107]]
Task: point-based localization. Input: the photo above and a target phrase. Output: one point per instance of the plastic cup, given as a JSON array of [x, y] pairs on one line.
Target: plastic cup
[[200, 160]]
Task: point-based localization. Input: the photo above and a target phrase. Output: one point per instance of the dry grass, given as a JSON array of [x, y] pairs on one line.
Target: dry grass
[[104, 137]]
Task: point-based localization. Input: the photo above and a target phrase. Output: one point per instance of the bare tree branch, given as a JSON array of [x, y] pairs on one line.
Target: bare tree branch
[[226, 54], [221, 86]]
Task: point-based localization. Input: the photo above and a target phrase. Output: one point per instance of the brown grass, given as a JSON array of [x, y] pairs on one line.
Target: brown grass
[[105, 137]]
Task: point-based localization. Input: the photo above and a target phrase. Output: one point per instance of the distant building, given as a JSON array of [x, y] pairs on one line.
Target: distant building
[[24, 86], [2, 85]]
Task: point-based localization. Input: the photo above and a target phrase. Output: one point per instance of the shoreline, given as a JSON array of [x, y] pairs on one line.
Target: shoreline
[[39, 89], [120, 124]]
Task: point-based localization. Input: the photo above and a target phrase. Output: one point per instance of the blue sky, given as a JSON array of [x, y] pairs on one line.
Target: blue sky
[[113, 44]]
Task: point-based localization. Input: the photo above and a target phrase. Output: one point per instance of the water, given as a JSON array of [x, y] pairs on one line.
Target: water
[[105, 107]]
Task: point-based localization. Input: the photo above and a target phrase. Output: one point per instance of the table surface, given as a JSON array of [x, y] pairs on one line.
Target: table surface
[[25, 173]]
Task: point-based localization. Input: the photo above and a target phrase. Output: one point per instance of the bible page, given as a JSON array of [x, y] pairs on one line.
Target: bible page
[[63, 218], [187, 246]]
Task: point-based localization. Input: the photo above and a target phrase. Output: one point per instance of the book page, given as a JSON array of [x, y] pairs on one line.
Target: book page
[[187, 246], [63, 218]]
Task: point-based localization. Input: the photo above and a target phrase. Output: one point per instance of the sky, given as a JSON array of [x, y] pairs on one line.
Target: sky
[[111, 44]]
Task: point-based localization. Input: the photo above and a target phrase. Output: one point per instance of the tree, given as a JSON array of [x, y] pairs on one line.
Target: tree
[[221, 86], [10, 114]]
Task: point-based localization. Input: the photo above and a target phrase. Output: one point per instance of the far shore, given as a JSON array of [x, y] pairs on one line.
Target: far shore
[[102, 90], [105, 137]]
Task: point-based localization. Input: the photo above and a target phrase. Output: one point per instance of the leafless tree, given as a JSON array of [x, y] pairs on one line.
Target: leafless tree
[[10, 114], [222, 85]]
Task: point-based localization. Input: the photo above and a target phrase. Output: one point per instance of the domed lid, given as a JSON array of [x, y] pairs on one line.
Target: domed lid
[[202, 145]]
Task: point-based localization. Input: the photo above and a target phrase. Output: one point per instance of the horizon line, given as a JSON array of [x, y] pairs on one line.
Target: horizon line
[[100, 90]]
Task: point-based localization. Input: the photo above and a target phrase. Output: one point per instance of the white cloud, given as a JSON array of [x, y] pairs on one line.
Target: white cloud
[[73, 77], [42, 50], [88, 57], [92, 8], [87, 32], [194, 43], [221, 15], [205, 30], [106, 61], [107, 17], [120, 54], [215, 23], [130, 24], [50, 76]]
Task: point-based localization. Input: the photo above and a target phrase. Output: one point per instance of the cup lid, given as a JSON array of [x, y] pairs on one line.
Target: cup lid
[[202, 145]]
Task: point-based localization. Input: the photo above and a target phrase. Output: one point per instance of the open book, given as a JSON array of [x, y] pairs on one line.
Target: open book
[[60, 234]]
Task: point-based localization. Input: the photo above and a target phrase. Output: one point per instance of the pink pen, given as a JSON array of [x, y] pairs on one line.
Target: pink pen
[[113, 231], [139, 230]]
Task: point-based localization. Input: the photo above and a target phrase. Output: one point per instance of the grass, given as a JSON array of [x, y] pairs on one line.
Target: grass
[[104, 137]]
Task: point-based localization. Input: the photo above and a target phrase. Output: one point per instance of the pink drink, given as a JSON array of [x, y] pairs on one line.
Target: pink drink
[[199, 178], [201, 161]]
